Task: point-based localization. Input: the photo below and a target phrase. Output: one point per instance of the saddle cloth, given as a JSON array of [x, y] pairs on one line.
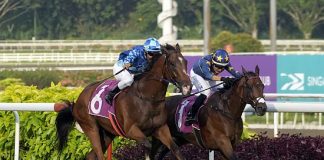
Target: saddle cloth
[[182, 113], [98, 105]]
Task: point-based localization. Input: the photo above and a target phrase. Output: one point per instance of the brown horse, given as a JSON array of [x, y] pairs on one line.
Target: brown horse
[[140, 109], [219, 119]]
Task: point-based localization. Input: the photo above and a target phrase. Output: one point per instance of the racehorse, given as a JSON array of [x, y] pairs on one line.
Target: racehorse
[[219, 119], [140, 108]]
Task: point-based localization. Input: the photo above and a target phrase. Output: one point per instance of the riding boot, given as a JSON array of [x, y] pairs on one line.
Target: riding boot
[[195, 107], [111, 95]]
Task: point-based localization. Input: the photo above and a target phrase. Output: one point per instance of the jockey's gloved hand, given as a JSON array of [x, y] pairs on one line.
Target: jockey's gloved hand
[[127, 65], [228, 80]]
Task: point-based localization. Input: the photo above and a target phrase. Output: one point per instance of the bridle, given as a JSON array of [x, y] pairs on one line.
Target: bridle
[[170, 73], [248, 89], [168, 76]]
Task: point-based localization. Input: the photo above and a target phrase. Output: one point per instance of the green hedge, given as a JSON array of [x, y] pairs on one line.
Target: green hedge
[[37, 131], [43, 78]]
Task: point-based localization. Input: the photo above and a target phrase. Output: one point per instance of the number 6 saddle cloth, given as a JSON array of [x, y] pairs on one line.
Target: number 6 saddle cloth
[[98, 105]]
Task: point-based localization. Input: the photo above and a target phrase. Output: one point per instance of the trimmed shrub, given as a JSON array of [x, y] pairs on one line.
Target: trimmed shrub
[[37, 131], [221, 40], [10, 81], [43, 78], [39, 78], [241, 42], [260, 147]]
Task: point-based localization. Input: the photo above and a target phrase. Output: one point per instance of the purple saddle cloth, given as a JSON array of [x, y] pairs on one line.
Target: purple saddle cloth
[[98, 105], [181, 115]]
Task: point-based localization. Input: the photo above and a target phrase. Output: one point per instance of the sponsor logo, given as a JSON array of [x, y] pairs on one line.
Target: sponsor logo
[[316, 81], [297, 81]]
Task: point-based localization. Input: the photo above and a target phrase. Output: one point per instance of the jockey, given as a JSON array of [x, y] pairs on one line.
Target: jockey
[[133, 61], [205, 73]]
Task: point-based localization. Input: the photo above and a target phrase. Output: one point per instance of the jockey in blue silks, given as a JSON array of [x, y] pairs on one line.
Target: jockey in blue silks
[[205, 73], [133, 61]]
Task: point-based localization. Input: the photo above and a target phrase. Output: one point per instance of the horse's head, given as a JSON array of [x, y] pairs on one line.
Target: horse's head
[[176, 68], [253, 91]]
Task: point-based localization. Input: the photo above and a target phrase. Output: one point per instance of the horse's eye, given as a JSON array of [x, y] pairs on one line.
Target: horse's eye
[[260, 86]]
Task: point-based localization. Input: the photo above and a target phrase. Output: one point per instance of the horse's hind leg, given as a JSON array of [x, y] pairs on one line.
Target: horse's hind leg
[[105, 142], [164, 135], [91, 130]]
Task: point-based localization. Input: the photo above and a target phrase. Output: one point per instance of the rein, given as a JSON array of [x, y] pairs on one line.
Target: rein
[[161, 79], [203, 90], [168, 71]]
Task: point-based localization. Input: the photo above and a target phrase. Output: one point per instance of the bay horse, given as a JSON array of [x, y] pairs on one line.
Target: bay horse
[[140, 108], [220, 121]]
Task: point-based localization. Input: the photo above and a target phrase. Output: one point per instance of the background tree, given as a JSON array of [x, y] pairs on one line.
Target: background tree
[[117, 19], [7, 6], [305, 13], [244, 13]]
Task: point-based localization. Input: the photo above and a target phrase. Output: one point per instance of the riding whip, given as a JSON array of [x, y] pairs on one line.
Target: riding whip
[[203, 90], [116, 73]]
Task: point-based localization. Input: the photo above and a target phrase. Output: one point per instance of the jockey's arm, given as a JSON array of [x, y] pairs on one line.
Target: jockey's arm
[[232, 71], [130, 57]]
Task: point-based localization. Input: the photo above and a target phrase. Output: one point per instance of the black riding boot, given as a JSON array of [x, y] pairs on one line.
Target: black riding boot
[[191, 114], [111, 95]]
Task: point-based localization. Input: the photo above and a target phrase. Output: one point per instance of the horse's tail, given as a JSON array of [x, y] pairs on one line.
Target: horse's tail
[[64, 124]]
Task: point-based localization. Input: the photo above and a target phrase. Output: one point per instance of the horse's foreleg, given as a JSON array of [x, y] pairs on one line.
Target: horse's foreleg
[[156, 147], [92, 132], [135, 133], [164, 135], [226, 148]]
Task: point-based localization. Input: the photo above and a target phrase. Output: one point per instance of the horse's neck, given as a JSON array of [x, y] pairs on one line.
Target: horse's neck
[[236, 104], [152, 84]]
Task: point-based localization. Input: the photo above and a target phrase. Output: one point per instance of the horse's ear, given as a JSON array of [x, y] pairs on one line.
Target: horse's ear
[[243, 70], [257, 69], [178, 48]]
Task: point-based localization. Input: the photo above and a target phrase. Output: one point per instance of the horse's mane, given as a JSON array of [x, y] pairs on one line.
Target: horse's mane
[[225, 88], [169, 47]]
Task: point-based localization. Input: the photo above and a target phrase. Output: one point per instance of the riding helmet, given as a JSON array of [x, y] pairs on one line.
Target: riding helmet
[[220, 58], [152, 45]]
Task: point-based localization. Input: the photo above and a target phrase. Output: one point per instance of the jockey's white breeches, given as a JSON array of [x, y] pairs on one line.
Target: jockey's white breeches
[[200, 83], [125, 78]]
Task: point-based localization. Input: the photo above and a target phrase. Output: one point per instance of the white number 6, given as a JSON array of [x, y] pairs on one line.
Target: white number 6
[[97, 100]]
